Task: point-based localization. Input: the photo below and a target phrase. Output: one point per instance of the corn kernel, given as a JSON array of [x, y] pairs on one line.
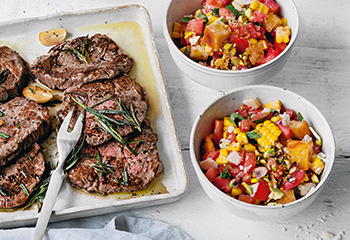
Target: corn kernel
[[275, 119], [188, 34], [254, 5], [254, 180], [252, 41], [242, 138], [221, 160], [249, 148], [237, 147], [242, 19], [282, 34], [314, 178], [237, 131], [275, 105], [263, 8], [284, 22], [249, 13], [306, 178], [259, 126], [236, 191], [224, 152], [317, 165]]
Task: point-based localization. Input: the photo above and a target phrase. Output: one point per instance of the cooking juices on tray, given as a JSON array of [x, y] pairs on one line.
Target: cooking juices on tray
[[233, 35], [263, 154]]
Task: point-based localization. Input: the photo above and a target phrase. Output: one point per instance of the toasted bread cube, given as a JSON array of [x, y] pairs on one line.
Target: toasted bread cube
[[301, 153], [288, 196], [272, 21], [300, 129], [216, 35]]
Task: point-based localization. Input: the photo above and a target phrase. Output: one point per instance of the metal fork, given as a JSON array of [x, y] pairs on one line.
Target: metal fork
[[66, 141]]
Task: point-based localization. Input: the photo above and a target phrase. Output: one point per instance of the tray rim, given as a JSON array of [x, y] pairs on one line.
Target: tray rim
[[143, 201]]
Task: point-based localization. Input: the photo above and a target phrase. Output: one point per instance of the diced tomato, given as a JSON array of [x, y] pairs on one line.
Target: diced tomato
[[249, 162], [234, 170], [262, 191], [259, 17], [213, 155], [271, 4], [226, 13], [274, 169], [247, 178], [293, 179], [243, 112], [241, 43], [246, 198], [210, 4], [218, 130], [231, 136], [239, 29], [286, 131], [241, 67], [290, 112], [252, 31], [271, 54], [245, 125], [222, 183], [261, 116], [196, 26], [280, 46], [211, 174], [315, 149]]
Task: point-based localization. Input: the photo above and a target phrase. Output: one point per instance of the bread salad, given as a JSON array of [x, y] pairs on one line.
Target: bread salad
[[233, 35], [263, 154]]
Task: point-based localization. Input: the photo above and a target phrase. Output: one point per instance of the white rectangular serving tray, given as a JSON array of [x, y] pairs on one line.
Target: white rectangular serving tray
[[22, 36]]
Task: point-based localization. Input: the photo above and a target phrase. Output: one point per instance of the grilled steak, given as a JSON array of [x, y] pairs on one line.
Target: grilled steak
[[21, 177], [124, 88], [62, 68], [16, 75], [126, 173], [23, 123]]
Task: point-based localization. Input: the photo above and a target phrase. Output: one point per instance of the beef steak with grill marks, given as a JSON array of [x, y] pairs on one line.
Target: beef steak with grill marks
[[61, 68], [24, 122]]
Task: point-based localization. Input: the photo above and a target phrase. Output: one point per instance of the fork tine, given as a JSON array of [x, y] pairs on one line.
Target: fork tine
[[65, 124], [79, 123]]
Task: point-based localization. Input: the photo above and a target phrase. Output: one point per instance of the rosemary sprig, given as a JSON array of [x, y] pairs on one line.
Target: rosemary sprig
[[99, 115], [7, 93], [2, 192], [3, 76], [24, 189], [101, 167], [30, 158], [4, 135], [129, 115], [74, 157], [125, 180], [38, 193], [102, 101], [81, 55], [1, 114], [106, 124]]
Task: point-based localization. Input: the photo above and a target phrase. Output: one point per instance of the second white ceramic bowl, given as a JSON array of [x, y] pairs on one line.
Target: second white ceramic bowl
[[224, 106]]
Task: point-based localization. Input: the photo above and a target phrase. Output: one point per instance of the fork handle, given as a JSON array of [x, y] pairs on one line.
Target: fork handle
[[49, 202]]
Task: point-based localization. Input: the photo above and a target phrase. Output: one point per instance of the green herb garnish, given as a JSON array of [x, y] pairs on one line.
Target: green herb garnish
[[38, 193], [30, 158], [2, 192], [4, 135], [81, 55], [101, 167], [235, 116], [7, 94], [17, 125], [204, 17], [130, 116], [31, 89], [258, 24], [74, 157], [248, 188], [300, 117], [1, 114], [234, 11], [24, 189], [186, 19], [215, 12], [3, 76], [125, 180], [252, 135], [225, 174], [102, 101], [24, 173]]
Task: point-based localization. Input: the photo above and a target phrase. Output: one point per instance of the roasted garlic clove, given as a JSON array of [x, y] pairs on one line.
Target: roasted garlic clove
[[52, 37], [37, 94]]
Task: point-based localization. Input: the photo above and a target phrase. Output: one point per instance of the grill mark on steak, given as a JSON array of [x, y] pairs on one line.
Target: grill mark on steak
[[25, 122], [16, 74], [142, 169], [60, 69], [22, 171], [124, 88]]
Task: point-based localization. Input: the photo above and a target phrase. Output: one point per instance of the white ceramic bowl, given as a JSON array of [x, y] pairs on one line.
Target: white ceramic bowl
[[224, 106], [223, 79]]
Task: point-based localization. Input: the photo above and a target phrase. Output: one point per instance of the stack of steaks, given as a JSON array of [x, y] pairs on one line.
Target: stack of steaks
[[97, 78], [22, 123]]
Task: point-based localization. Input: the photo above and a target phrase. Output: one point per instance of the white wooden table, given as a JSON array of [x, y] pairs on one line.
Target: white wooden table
[[318, 69]]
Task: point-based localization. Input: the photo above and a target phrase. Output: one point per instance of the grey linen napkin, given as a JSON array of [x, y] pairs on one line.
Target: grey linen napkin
[[121, 227]]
